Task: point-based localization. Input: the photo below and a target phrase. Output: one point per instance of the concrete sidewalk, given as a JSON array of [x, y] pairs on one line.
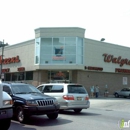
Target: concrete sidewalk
[[102, 97]]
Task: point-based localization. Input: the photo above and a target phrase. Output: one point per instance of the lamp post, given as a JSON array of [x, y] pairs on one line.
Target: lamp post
[[2, 45]]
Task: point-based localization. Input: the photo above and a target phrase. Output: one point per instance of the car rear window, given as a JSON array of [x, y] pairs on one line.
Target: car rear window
[[76, 89], [53, 88]]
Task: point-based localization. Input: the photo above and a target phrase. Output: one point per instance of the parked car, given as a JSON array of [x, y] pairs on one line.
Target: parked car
[[69, 95], [28, 100], [125, 92]]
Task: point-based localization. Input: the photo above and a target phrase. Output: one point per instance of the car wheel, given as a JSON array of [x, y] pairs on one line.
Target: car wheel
[[52, 115], [116, 95], [5, 124], [20, 115], [77, 110]]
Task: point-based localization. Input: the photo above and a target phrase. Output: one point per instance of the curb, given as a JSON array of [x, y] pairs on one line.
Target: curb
[[103, 97]]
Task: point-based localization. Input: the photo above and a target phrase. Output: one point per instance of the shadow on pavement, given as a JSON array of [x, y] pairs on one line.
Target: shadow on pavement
[[72, 113], [18, 126], [42, 120]]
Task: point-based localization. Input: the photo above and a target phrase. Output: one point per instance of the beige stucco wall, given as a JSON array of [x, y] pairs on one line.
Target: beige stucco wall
[[94, 51], [74, 76], [60, 32], [39, 77], [113, 80], [26, 53]]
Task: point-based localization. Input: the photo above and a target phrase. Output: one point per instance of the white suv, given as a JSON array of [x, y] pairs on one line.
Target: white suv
[[69, 95], [6, 110]]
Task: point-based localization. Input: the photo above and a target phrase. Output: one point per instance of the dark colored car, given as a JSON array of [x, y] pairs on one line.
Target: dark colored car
[[125, 92], [28, 100]]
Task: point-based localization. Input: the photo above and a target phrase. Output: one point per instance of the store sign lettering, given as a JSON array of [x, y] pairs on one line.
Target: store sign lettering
[[117, 60], [58, 58], [95, 68], [122, 70], [21, 69], [9, 60], [5, 70]]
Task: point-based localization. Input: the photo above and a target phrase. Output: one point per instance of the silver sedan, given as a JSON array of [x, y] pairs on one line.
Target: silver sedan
[[125, 92]]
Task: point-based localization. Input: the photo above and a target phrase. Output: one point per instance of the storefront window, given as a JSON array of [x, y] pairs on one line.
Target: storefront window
[[58, 76], [58, 41], [70, 41], [70, 50], [29, 75], [8, 77], [46, 41], [14, 77], [37, 50], [79, 54], [46, 46], [19, 76], [60, 50]]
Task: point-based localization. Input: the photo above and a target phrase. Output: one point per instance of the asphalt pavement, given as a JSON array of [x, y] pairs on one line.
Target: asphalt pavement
[[105, 113]]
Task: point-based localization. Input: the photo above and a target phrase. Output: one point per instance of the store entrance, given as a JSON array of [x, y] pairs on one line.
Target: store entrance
[[61, 76]]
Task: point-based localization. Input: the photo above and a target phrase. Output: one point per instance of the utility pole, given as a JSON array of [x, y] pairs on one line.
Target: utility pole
[[2, 45]]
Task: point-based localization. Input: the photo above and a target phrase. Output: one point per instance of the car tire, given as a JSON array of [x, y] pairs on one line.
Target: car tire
[[20, 115], [116, 95], [5, 124], [77, 110], [52, 116]]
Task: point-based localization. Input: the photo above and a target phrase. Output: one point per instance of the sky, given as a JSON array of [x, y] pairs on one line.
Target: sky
[[109, 19]]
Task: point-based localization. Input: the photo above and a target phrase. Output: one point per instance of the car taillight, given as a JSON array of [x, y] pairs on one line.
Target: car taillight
[[86, 98], [68, 97]]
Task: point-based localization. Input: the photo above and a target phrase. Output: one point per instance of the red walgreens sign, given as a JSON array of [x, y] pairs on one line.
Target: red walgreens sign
[[117, 60], [9, 60], [21, 69], [5, 70]]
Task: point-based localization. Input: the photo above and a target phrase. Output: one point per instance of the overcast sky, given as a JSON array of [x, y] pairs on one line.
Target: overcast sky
[[109, 19]]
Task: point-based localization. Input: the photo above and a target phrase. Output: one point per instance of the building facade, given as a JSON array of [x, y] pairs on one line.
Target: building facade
[[64, 55]]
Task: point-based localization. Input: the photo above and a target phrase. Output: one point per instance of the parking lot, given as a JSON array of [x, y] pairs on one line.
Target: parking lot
[[104, 114]]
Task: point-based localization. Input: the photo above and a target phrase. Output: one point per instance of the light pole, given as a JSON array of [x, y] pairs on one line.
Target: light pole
[[2, 45]]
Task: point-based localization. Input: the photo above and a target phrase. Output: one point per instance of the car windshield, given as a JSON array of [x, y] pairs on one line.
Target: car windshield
[[76, 89], [24, 89]]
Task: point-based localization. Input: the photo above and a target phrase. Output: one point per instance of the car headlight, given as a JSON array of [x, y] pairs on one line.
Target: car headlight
[[31, 103], [56, 102], [7, 102]]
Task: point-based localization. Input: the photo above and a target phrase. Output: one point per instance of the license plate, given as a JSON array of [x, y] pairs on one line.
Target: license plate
[[79, 98], [2, 112]]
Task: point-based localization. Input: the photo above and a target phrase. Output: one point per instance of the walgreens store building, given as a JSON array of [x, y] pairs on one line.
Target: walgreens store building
[[65, 55]]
